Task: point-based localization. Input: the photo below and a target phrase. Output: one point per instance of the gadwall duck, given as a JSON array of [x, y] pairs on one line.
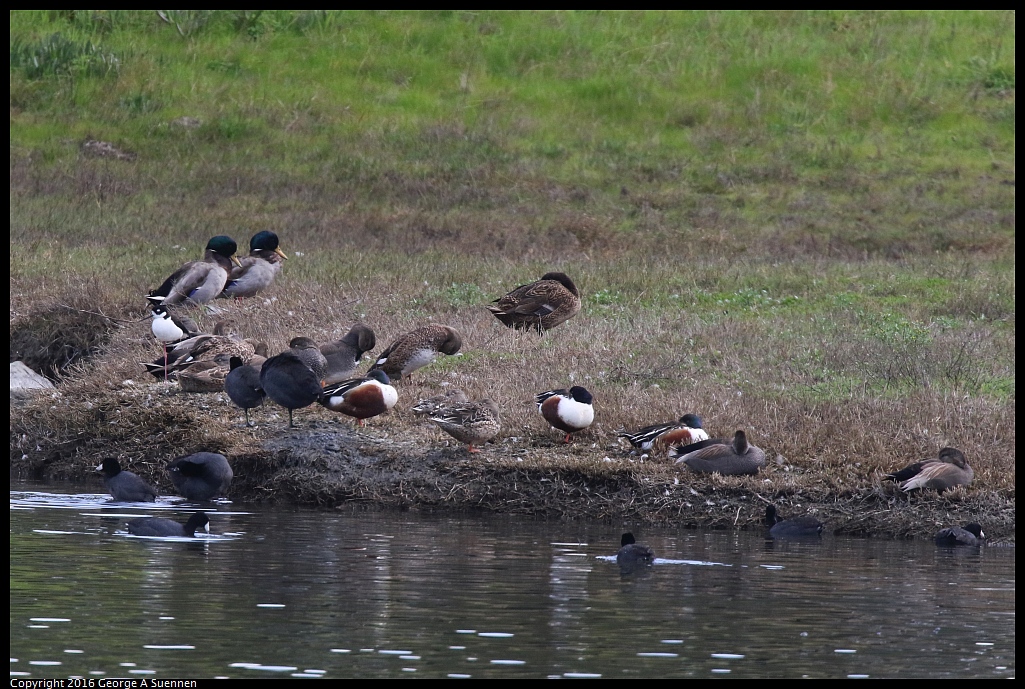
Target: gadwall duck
[[416, 349], [309, 353], [948, 470], [216, 348]]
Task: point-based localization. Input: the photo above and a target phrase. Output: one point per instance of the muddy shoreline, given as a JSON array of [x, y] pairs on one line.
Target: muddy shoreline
[[330, 464]]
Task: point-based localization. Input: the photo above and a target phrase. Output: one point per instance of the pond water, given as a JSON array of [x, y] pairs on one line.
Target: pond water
[[275, 592]]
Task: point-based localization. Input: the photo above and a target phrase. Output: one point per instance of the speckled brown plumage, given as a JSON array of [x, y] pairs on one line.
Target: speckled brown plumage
[[417, 349], [432, 405], [473, 423], [541, 305]]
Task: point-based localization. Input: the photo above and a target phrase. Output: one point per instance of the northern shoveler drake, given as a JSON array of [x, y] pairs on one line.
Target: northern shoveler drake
[[243, 385], [948, 470], [309, 353], [433, 405], [201, 476], [473, 423], [343, 356], [289, 382], [168, 329], [736, 459], [255, 272], [797, 527], [168, 528], [686, 431], [567, 410], [632, 554], [969, 534], [198, 282], [416, 349], [124, 486], [541, 305], [361, 398]]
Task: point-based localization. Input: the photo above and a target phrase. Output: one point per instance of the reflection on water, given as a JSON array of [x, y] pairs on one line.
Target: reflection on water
[[302, 593]]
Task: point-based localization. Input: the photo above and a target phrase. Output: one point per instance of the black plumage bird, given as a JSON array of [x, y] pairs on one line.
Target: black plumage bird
[[201, 476], [289, 382], [243, 386], [798, 527], [969, 534], [124, 486], [158, 526]]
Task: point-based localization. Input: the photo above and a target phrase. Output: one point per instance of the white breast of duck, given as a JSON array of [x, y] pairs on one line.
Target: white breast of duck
[[419, 359], [388, 394], [575, 414]]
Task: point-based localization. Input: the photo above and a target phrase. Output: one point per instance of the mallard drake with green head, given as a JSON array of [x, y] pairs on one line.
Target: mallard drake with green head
[[256, 272], [198, 282]]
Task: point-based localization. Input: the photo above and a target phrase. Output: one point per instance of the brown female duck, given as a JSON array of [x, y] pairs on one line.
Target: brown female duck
[[541, 305]]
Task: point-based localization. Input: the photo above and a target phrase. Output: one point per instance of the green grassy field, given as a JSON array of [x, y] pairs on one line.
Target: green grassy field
[[797, 223]]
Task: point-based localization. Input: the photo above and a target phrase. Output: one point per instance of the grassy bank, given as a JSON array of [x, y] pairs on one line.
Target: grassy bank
[[797, 223]]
